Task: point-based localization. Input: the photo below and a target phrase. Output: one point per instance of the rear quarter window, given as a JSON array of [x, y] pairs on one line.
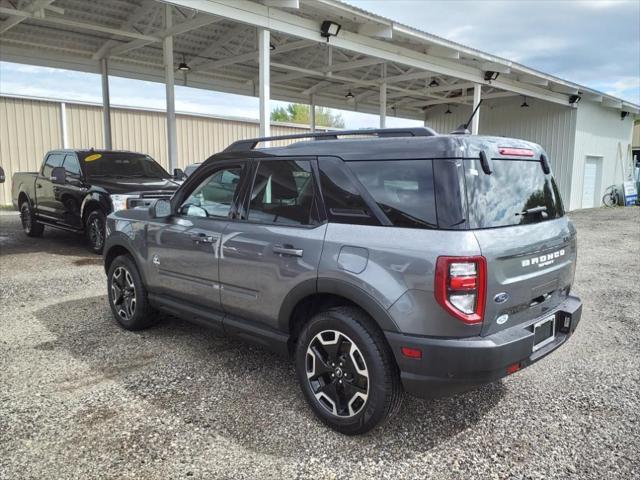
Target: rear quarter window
[[403, 189]]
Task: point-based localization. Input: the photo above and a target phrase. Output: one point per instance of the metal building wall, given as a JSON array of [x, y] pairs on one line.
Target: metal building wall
[[29, 128], [601, 132], [549, 125]]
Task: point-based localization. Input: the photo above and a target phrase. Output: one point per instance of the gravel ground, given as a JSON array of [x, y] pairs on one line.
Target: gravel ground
[[82, 398]]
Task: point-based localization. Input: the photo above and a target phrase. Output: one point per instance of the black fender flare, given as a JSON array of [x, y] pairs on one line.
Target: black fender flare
[[340, 288], [95, 198]]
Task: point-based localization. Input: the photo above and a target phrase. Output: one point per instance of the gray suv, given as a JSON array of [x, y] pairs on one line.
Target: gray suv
[[383, 262]]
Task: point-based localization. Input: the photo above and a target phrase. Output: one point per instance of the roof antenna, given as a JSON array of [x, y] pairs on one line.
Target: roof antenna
[[464, 128]]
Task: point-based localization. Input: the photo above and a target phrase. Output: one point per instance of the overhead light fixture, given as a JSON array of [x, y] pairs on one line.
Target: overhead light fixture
[[434, 83], [624, 115], [272, 46], [349, 96], [329, 29], [573, 99], [490, 75], [524, 104], [448, 112], [182, 66]]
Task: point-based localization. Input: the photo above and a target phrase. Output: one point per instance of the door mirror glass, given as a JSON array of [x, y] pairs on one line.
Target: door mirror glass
[[178, 174], [58, 176], [160, 208], [2, 175]]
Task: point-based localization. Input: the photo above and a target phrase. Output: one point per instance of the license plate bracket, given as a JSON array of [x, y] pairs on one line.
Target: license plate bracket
[[544, 332]]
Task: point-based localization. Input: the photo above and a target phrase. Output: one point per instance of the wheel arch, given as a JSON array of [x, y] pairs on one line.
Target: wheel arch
[[313, 296], [118, 244], [92, 202]]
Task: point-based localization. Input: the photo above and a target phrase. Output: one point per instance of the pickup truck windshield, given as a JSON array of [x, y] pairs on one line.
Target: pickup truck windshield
[[122, 164], [517, 192]]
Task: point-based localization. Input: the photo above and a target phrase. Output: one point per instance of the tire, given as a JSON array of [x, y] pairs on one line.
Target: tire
[[30, 226], [94, 227], [128, 295], [609, 200], [347, 371]]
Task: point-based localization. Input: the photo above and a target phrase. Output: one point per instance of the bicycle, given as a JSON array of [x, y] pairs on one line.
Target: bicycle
[[611, 197]]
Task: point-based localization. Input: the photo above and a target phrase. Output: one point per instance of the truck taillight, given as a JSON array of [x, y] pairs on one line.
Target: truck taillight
[[461, 287]]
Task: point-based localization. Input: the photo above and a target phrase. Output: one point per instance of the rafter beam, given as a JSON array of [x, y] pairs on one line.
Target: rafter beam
[[339, 67], [32, 8], [92, 27], [246, 57], [186, 26]]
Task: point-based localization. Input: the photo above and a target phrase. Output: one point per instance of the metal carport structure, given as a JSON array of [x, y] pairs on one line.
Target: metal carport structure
[[272, 49]]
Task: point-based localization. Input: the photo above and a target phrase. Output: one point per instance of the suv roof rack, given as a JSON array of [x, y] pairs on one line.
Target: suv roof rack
[[250, 144]]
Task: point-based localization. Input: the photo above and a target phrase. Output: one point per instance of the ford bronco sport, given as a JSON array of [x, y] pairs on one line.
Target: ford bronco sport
[[383, 261]]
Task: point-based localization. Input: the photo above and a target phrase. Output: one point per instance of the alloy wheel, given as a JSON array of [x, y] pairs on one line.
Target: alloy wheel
[[96, 234], [25, 217], [337, 373], [123, 293]]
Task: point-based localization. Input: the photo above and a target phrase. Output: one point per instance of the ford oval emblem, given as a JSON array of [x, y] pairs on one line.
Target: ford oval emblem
[[501, 297]]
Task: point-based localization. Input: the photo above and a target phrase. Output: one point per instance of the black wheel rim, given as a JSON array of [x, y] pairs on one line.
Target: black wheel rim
[[337, 373], [25, 218], [96, 232], [123, 293]]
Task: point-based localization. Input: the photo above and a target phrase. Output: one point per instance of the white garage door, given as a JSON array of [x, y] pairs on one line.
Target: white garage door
[[591, 184]]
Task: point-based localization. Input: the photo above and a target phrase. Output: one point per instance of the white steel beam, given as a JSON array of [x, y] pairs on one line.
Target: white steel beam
[[383, 97], [291, 24], [33, 8], [63, 125], [466, 99], [475, 122], [282, 3], [224, 62], [378, 30], [263, 79], [312, 113], [167, 53], [65, 22], [106, 104]]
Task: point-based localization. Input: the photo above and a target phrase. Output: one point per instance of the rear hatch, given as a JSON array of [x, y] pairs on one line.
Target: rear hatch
[[530, 246]]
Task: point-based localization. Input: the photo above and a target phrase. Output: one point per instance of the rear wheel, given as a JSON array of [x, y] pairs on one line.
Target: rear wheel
[[346, 371], [94, 226], [128, 295], [29, 224]]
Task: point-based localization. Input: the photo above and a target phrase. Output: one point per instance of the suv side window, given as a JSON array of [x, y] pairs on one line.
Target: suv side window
[[343, 202], [284, 193], [53, 160], [72, 165], [213, 197], [403, 189]]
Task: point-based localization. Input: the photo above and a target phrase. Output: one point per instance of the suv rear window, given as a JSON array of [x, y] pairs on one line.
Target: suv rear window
[[403, 189], [513, 188]]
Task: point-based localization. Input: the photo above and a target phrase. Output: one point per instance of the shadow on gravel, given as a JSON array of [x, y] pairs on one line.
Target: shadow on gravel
[[212, 384], [13, 240]]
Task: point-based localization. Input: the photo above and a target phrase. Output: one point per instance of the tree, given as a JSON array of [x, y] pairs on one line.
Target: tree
[[298, 113]]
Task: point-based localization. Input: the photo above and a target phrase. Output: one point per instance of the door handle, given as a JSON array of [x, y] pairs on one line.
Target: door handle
[[202, 238], [288, 250]]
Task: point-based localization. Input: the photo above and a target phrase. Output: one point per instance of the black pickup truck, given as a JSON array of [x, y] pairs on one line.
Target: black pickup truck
[[76, 189]]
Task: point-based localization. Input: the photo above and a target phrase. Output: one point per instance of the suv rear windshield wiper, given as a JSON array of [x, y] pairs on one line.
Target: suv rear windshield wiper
[[538, 209]]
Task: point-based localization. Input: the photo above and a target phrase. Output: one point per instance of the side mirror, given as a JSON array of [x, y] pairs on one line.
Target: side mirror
[[161, 208], [178, 174], [2, 178], [58, 176]]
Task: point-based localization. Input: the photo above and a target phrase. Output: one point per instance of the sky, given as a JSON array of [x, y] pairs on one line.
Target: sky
[[591, 42]]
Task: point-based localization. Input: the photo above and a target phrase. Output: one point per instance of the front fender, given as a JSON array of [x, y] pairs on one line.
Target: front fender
[[124, 235], [95, 198]]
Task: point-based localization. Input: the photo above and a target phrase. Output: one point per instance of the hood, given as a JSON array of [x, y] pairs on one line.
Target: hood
[[119, 185]]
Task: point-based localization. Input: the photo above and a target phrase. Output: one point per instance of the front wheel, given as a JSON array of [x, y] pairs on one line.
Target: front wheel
[[29, 224], [347, 371], [128, 295], [94, 226]]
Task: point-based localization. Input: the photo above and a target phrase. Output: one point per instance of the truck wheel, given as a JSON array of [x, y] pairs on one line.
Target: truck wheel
[[94, 227], [347, 371], [29, 224], [128, 295]]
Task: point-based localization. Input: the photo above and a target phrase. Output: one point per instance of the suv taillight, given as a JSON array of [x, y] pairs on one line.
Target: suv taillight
[[461, 286]]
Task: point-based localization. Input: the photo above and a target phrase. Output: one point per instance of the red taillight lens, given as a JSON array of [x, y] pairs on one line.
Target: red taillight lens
[[461, 287]]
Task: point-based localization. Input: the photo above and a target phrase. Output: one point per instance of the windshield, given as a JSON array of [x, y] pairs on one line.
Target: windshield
[[517, 192], [123, 164]]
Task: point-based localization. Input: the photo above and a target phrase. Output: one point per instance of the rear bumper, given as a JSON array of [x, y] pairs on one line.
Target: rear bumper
[[452, 365]]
